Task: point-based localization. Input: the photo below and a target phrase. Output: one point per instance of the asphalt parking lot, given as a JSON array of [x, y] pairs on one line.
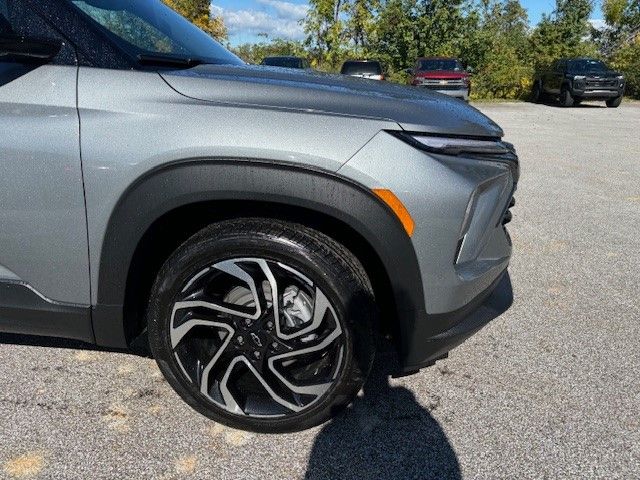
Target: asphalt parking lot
[[549, 390]]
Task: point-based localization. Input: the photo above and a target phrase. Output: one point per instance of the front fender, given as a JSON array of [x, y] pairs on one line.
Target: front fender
[[204, 180]]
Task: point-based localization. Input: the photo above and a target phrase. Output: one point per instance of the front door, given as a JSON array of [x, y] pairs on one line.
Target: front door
[[43, 231]]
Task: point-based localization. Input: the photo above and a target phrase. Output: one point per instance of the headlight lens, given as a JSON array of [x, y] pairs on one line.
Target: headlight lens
[[458, 146], [493, 150], [580, 78]]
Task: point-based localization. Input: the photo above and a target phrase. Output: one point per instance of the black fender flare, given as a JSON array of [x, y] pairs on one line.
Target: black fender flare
[[193, 181]]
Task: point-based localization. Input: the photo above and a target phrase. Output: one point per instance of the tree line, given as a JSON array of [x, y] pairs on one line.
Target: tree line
[[493, 37]]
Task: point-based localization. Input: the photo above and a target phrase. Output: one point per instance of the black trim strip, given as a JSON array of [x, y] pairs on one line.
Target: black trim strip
[[509, 158], [424, 348], [24, 311]]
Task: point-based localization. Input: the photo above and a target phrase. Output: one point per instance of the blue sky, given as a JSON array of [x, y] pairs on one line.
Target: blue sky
[[246, 19]]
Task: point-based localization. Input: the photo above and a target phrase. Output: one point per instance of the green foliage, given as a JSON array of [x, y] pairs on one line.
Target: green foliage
[[614, 10], [199, 12], [499, 52], [627, 60], [254, 53], [503, 75], [326, 31], [562, 34], [361, 26], [621, 40], [394, 43]]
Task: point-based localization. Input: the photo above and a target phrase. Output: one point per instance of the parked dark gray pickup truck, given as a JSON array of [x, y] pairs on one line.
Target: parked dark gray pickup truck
[[578, 79]]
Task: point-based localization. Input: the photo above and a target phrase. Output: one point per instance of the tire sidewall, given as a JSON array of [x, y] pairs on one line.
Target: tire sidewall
[[566, 99], [191, 258], [614, 102]]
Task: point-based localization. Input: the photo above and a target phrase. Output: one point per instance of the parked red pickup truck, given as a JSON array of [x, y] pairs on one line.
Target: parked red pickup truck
[[444, 75]]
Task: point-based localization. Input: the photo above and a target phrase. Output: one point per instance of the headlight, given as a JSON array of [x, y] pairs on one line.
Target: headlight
[[579, 81], [458, 146]]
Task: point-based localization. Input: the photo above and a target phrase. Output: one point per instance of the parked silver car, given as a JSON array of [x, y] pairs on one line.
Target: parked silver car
[[259, 226]]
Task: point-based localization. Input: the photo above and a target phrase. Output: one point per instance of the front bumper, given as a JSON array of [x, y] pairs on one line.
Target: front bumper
[[459, 206], [425, 349], [462, 93], [598, 94]]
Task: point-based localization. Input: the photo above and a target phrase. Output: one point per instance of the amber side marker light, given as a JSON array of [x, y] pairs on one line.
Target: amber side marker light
[[388, 197]]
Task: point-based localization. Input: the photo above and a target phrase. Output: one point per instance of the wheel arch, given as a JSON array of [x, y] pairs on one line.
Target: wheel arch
[[165, 207]]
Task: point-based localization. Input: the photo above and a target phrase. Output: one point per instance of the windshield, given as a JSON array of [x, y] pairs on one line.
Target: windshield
[[148, 28], [585, 66], [285, 62], [431, 65], [361, 68]]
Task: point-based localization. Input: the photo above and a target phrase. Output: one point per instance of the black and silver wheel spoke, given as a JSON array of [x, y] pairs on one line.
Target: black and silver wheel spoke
[[257, 337]]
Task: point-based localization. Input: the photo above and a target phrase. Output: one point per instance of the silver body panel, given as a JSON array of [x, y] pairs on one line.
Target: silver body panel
[[6, 274], [134, 122], [43, 235], [437, 192]]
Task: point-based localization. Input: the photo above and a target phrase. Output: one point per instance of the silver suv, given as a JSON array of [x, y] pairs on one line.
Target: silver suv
[[259, 226]]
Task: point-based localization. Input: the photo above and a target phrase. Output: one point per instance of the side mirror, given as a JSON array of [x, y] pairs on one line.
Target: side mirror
[[469, 69], [409, 71], [28, 49]]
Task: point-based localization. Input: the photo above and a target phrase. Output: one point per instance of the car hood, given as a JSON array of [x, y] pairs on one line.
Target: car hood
[[264, 87]]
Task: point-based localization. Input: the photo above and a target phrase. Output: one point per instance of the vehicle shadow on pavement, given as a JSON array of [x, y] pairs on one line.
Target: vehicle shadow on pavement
[[385, 434]]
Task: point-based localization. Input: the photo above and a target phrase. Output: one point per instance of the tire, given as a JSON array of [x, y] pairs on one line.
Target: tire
[[536, 93], [231, 368], [566, 99], [614, 102], [577, 101]]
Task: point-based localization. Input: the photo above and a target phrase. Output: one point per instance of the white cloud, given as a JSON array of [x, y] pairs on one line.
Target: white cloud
[[276, 18], [288, 10], [598, 24]]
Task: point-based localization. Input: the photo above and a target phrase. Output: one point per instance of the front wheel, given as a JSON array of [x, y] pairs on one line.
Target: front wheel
[[566, 99], [614, 102], [263, 325]]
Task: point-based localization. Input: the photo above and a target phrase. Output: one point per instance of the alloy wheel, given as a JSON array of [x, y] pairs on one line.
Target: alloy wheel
[[257, 337]]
